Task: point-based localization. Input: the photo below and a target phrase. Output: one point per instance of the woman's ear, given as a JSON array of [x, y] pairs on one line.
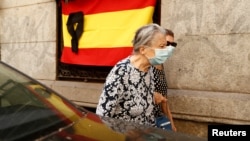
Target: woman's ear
[[142, 49]]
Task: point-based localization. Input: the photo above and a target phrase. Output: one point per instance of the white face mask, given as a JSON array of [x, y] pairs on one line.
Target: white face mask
[[161, 55]]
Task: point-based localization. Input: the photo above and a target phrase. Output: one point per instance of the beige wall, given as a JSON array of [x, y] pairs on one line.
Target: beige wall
[[28, 36], [208, 75], [213, 49]]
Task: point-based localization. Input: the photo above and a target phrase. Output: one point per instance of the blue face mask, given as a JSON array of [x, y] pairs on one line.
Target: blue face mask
[[161, 55]]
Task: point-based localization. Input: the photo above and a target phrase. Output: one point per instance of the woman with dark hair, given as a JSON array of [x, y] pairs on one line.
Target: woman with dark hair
[[161, 86]]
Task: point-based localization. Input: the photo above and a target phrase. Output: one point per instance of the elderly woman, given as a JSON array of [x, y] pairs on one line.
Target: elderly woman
[[129, 90]]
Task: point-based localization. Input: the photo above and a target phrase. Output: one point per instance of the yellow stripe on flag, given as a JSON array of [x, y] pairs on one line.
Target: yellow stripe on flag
[[110, 29]]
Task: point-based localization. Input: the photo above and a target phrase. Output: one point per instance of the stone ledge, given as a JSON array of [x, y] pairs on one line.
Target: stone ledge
[[82, 93], [205, 106], [200, 106]]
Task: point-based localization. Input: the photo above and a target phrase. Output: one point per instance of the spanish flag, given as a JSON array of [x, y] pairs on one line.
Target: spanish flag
[[108, 29]]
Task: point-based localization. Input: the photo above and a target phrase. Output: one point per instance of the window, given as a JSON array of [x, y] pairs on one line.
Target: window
[[80, 72]]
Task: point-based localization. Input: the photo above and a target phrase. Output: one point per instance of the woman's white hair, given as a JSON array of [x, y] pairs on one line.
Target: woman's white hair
[[145, 35]]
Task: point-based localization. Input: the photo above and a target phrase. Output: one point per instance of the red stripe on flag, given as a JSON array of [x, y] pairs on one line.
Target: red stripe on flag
[[99, 6], [95, 56]]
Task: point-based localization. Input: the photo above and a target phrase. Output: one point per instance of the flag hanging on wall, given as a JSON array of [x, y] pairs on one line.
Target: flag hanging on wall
[[100, 32]]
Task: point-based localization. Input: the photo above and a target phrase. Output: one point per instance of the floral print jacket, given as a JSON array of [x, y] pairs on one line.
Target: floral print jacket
[[128, 94]]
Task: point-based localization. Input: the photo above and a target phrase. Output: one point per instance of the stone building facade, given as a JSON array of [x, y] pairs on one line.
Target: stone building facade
[[208, 76]]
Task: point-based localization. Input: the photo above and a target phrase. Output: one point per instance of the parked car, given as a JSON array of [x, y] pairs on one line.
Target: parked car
[[30, 110]]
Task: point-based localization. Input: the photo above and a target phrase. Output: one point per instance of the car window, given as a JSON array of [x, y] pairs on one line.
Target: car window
[[29, 109]]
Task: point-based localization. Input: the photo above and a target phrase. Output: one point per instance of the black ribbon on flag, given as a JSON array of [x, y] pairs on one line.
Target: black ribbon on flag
[[75, 29]]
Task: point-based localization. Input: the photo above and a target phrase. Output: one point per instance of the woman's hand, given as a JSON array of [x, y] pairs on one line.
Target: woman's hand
[[173, 128], [158, 98]]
